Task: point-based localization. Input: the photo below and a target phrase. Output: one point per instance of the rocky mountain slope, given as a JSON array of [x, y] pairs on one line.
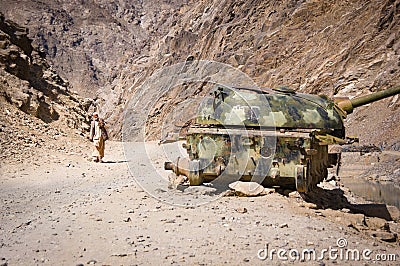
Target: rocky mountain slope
[[107, 49], [36, 106]]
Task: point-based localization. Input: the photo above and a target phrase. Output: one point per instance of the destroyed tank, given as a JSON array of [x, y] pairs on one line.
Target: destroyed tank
[[276, 137]]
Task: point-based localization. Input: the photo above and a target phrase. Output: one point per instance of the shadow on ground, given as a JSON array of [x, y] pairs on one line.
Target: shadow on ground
[[335, 199], [118, 161]]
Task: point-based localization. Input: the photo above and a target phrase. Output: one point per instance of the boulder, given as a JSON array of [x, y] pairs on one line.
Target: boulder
[[246, 189]]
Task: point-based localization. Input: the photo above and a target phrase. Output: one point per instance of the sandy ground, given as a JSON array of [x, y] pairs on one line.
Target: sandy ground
[[64, 210]]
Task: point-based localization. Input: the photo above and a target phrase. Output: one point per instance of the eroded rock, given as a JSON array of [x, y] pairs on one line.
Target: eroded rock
[[246, 189]]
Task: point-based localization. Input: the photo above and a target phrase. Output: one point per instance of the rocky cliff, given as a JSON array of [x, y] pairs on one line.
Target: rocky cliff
[[107, 49], [36, 103]]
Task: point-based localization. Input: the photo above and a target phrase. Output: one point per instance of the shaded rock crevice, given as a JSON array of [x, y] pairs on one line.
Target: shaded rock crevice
[[28, 82]]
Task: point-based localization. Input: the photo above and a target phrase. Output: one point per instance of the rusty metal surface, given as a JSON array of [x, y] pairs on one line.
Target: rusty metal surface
[[347, 105], [270, 136]]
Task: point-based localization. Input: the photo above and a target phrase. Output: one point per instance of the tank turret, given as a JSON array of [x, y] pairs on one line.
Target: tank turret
[[276, 137]]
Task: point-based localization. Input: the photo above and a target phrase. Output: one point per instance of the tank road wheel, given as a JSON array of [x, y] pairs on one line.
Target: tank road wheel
[[195, 178]]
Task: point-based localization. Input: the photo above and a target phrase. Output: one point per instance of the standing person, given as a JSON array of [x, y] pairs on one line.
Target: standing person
[[98, 134]]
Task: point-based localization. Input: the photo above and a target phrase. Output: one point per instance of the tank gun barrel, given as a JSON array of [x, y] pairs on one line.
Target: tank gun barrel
[[349, 104]]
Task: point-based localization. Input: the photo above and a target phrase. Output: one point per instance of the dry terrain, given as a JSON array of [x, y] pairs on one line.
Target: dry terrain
[[59, 208], [63, 209]]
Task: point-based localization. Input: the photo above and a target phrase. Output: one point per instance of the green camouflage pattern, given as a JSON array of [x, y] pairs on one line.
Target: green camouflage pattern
[[263, 135], [275, 137], [268, 108], [241, 152]]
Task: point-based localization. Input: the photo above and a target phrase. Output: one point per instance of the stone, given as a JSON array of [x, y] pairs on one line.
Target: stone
[[355, 219], [333, 183], [241, 210], [394, 213], [284, 225], [294, 194], [309, 205], [376, 223], [246, 189], [345, 210], [385, 236], [268, 191]]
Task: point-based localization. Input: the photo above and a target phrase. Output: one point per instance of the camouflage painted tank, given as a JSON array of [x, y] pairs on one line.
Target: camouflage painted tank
[[275, 137]]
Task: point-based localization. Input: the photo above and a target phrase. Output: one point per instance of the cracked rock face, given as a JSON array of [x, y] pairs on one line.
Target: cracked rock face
[[108, 49], [37, 106], [28, 82]]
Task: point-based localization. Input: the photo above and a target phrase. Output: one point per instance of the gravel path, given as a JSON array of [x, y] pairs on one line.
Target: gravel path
[[66, 210]]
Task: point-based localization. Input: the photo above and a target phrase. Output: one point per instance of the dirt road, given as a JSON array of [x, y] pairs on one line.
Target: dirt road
[[64, 210]]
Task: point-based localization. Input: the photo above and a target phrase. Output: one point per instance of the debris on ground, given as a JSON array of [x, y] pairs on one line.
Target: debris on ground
[[246, 189]]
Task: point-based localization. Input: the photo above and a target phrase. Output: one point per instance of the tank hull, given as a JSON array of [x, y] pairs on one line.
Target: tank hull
[[275, 137], [272, 158]]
